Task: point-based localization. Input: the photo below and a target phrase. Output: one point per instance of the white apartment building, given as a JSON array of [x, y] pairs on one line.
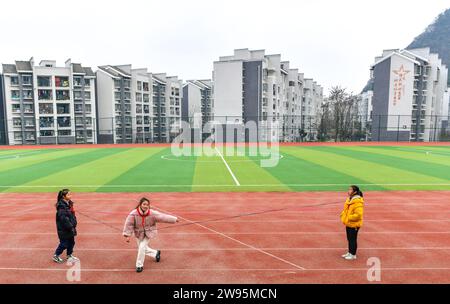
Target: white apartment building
[[136, 106], [253, 86], [47, 104], [365, 108], [167, 97], [312, 100], [197, 103], [408, 94]]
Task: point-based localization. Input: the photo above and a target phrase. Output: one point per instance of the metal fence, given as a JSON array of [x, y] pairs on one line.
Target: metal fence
[[165, 129]]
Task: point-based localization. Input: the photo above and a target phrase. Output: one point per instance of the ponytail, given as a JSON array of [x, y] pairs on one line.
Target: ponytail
[[356, 190], [61, 195]]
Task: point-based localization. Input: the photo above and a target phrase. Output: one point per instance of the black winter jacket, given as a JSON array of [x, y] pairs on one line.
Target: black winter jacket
[[66, 221]]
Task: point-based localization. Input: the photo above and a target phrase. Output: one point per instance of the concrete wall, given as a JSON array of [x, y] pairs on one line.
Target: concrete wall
[[228, 91]]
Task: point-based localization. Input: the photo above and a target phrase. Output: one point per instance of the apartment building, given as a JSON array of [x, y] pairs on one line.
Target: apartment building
[[115, 116], [408, 94], [47, 104], [365, 108], [312, 100], [167, 97], [197, 102], [142, 105], [136, 106], [253, 86]]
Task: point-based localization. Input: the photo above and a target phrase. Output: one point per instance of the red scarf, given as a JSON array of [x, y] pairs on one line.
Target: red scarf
[[143, 215]]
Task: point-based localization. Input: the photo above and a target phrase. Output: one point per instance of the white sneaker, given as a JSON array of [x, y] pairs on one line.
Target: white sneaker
[[71, 258], [350, 257], [345, 255]]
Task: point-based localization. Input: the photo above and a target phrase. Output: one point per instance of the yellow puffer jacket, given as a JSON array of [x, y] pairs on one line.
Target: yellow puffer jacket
[[352, 215]]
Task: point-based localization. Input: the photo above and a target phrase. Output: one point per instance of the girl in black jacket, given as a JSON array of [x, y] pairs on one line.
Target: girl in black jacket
[[66, 225]]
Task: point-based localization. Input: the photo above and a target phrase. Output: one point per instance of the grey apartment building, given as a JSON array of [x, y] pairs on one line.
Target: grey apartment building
[[136, 106], [253, 86], [48, 104]]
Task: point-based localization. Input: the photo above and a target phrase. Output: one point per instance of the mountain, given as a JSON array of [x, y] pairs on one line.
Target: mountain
[[437, 37]]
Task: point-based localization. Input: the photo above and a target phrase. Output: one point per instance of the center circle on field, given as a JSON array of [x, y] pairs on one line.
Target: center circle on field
[[191, 159]]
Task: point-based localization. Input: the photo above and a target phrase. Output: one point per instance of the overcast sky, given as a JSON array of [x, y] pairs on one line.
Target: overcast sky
[[333, 42]]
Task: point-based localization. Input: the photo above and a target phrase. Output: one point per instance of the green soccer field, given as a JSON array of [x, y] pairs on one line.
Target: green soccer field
[[155, 169]]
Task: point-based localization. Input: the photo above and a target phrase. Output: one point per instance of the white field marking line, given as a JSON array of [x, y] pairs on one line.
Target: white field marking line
[[227, 185], [236, 249], [228, 167], [211, 161], [242, 243], [14, 156], [240, 233], [226, 269]]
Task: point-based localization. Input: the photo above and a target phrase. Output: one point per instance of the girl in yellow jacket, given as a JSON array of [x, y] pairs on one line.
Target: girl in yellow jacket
[[352, 218]]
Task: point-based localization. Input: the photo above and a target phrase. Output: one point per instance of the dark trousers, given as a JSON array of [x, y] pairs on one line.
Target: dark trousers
[[65, 244], [352, 236]]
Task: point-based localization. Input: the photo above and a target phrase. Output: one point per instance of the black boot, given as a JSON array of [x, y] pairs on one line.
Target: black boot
[[158, 256], [139, 269]]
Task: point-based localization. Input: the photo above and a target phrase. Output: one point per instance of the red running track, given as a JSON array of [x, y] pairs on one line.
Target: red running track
[[407, 231]]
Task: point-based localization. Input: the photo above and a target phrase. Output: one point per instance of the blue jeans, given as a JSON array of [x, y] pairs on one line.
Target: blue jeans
[[65, 244]]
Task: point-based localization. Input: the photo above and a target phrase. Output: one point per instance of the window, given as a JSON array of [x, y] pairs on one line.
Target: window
[[15, 94], [17, 122], [126, 83], [28, 122], [44, 81], [139, 85], [45, 108], [45, 95], [62, 95], [47, 133], [64, 132], [146, 109], [77, 81], [78, 108], [28, 108], [27, 80], [117, 83], [27, 94], [63, 108], [77, 95], [145, 86], [117, 95], [138, 97], [63, 122], [14, 80], [87, 95], [61, 82], [17, 135], [146, 98], [87, 83], [138, 108], [46, 122], [87, 108], [29, 136]]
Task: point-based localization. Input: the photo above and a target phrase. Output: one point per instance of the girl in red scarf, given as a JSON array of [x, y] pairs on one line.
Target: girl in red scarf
[[142, 222]]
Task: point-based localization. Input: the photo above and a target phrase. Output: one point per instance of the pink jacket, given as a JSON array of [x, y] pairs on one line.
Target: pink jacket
[[145, 225]]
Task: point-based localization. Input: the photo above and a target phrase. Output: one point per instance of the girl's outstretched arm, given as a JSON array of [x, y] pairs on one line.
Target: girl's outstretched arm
[[164, 218]]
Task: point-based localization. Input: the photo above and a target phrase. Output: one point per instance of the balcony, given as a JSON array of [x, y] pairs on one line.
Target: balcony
[[62, 82]]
